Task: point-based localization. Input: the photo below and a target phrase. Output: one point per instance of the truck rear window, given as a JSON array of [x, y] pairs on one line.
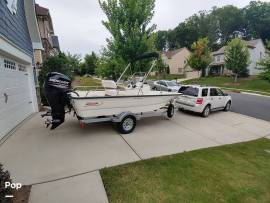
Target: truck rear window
[[190, 91]]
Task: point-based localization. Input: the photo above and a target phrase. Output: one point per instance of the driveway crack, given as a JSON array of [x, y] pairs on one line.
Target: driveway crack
[[137, 154]]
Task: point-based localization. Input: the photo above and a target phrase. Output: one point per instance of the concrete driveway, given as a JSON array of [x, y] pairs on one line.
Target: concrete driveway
[[35, 155]]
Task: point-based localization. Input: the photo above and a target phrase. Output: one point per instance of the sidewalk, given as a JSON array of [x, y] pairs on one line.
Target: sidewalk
[[84, 188]]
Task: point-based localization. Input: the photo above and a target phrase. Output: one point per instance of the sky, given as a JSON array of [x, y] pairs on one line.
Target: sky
[[79, 27]]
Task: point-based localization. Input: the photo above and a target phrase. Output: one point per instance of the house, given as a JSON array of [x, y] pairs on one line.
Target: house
[[256, 49], [19, 36], [49, 39], [177, 62]]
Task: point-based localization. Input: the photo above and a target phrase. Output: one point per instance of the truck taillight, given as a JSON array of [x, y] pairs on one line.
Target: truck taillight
[[199, 101]]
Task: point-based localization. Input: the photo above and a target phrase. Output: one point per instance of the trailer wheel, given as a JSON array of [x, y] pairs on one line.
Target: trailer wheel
[[170, 111], [127, 125]]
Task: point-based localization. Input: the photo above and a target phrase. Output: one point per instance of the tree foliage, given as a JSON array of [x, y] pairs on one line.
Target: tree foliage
[[201, 55], [128, 21], [237, 57], [110, 67], [73, 62], [265, 64], [89, 65], [257, 16], [219, 25]]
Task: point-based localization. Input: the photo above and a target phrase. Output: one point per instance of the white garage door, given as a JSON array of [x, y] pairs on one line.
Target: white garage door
[[15, 94]]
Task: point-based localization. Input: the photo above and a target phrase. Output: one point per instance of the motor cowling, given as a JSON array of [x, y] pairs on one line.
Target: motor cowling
[[56, 89]]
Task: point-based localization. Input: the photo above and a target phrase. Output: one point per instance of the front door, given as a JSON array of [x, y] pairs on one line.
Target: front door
[[216, 98]]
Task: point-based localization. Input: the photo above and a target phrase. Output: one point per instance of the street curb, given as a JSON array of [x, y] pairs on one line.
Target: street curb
[[250, 92]]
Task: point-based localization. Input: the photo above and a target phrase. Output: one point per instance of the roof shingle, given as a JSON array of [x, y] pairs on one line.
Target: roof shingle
[[250, 44], [41, 11]]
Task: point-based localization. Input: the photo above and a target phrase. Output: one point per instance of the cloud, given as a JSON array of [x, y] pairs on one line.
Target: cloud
[[78, 23]]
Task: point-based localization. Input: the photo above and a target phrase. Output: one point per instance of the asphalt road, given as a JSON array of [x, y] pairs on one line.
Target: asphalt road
[[251, 105]]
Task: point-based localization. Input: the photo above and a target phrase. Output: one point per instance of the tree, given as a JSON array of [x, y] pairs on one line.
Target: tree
[[109, 67], [200, 57], [59, 63], [161, 40], [220, 25], [257, 16], [90, 64], [74, 62], [128, 22], [265, 64], [229, 21], [162, 68], [237, 57]]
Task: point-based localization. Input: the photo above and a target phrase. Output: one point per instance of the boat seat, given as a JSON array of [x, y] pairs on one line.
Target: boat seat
[[111, 93], [109, 84]]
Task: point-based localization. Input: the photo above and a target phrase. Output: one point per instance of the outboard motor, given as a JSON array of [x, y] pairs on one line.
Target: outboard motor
[[56, 89]]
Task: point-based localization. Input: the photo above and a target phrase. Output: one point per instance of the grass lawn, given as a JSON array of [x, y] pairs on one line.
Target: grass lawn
[[232, 173], [166, 77], [251, 83], [88, 83]]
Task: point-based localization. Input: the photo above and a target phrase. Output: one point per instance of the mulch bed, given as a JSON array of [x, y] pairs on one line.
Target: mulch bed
[[22, 195]]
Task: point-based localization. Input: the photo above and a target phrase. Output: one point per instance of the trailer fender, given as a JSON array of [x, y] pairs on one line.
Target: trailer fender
[[121, 116]]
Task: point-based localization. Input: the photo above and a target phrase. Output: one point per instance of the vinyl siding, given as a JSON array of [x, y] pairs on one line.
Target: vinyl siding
[[14, 27]]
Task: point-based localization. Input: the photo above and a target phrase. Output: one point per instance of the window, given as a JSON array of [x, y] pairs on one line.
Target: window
[[185, 61], [220, 93], [205, 92], [171, 84], [218, 58], [260, 55], [22, 68], [213, 92], [9, 64], [163, 83], [190, 91]]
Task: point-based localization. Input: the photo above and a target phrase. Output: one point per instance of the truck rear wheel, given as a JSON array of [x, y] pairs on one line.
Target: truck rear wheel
[[127, 125], [206, 111]]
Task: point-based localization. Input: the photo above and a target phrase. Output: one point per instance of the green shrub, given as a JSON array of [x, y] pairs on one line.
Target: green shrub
[[4, 177]]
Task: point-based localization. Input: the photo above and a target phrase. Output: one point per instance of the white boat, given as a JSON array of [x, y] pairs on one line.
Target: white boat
[[135, 98], [100, 103], [117, 103]]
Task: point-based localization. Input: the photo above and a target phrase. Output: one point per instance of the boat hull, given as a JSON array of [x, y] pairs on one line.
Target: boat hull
[[108, 106]]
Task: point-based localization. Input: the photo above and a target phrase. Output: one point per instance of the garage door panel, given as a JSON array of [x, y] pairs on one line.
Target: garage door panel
[[19, 105], [13, 106], [18, 112], [14, 119], [13, 91]]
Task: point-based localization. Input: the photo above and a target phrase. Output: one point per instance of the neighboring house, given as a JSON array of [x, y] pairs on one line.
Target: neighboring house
[[49, 39], [19, 36], [256, 49], [177, 62]]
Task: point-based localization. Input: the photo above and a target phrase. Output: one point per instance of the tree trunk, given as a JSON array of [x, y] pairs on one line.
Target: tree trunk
[[235, 78], [203, 72]]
